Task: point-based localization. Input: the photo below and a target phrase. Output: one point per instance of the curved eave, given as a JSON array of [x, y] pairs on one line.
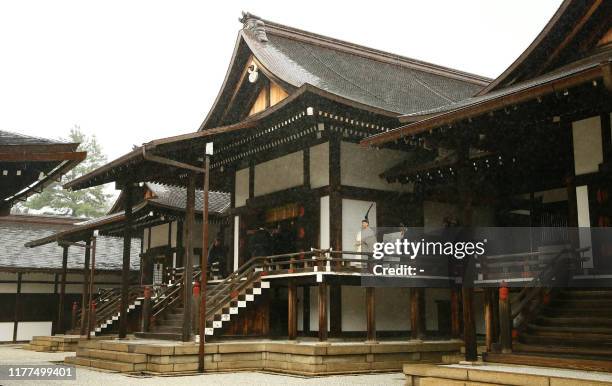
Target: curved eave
[[51, 177], [483, 105]]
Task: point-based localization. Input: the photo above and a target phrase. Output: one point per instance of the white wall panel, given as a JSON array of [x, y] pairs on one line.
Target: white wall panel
[[319, 165], [279, 174], [242, 187], [588, 152], [27, 330]]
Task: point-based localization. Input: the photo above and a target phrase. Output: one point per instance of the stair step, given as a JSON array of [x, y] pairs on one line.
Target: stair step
[[574, 321], [567, 339], [581, 329], [158, 335], [548, 361], [169, 329], [118, 356], [561, 350]]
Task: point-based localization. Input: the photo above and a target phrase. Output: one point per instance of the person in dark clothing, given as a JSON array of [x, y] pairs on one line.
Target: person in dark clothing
[[260, 243], [216, 258], [284, 240]]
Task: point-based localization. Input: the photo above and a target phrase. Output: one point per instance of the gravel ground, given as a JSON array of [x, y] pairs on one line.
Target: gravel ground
[[12, 354]]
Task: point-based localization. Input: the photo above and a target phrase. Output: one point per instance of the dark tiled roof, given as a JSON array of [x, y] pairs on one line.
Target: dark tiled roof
[[10, 138], [14, 234], [174, 196], [367, 76]]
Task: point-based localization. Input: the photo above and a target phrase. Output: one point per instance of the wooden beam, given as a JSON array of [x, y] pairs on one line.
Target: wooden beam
[[62, 295], [17, 307], [204, 264], [322, 312], [455, 313], [335, 197], [127, 249], [189, 258], [335, 310], [43, 157], [371, 313], [417, 302], [469, 324], [292, 310], [505, 320], [85, 297]]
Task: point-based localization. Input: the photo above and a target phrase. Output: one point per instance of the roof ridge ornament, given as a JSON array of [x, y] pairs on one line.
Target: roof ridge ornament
[[255, 25]]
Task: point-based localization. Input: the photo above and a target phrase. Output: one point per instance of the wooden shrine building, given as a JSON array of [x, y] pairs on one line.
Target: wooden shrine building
[[532, 149]]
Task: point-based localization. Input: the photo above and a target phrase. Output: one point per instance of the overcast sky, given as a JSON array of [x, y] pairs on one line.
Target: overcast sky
[[133, 71]]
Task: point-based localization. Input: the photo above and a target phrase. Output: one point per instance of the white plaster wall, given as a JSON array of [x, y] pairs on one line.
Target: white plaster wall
[[300, 308], [145, 240], [362, 167], [392, 309], [324, 221], [26, 330], [159, 235], [38, 288], [353, 308], [242, 187], [8, 288], [353, 212], [173, 234], [432, 295], [279, 174], [588, 152], [6, 331], [236, 241], [319, 165]]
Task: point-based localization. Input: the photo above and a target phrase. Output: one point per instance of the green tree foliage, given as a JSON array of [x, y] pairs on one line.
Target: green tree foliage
[[92, 202]]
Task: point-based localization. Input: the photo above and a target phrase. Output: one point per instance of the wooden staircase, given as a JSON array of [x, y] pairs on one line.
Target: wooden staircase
[[573, 331], [223, 300]]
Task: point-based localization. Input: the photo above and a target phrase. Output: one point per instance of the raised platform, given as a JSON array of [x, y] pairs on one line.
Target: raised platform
[[483, 374], [300, 358], [56, 343], [53, 343]]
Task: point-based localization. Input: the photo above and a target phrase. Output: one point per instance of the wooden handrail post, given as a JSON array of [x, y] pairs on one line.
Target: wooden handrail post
[[146, 309], [195, 303], [469, 324], [488, 317], [92, 319], [371, 314], [505, 320], [455, 313], [322, 312]]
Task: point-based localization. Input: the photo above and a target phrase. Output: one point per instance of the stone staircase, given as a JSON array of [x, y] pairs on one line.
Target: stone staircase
[[573, 331], [56, 343]]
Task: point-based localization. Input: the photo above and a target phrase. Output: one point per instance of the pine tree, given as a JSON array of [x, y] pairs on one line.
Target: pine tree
[[92, 202]]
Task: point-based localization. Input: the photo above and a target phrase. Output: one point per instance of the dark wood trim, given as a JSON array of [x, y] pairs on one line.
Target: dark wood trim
[[128, 191], [455, 313], [62, 296], [606, 137], [251, 179], [335, 310], [417, 312], [85, 294], [189, 255], [17, 307], [469, 324], [306, 165], [371, 313], [335, 195], [489, 299]]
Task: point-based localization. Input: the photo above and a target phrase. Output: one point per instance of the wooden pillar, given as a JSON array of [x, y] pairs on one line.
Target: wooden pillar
[[62, 296], [203, 265], [371, 313], [417, 312], [322, 312], [335, 310], [335, 197], [455, 313], [292, 310], [17, 307], [306, 310], [469, 324], [146, 309], [188, 272], [127, 249], [505, 321], [85, 297]]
